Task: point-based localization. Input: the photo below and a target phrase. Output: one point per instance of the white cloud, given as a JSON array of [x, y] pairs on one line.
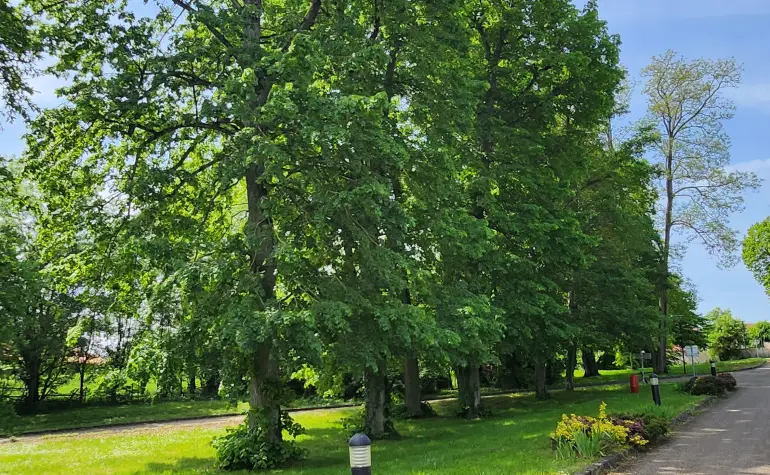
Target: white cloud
[[751, 95], [758, 166]]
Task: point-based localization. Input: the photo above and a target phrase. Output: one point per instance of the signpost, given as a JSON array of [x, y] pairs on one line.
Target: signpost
[[757, 343], [693, 352], [644, 356]]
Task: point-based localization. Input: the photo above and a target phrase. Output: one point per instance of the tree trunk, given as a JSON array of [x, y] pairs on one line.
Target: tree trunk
[[589, 363], [376, 400], [469, 389], [569, 382], [191, 376], [32, 381], [412, 387], [211, 386], [684, 362], [541, 388], [663, 337], [82, 392], [265, 410]]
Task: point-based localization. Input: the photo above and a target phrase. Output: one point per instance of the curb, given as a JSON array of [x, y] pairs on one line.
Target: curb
[[614, 460]]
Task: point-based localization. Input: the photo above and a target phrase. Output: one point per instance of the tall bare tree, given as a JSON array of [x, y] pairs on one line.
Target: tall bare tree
[[687, 105]]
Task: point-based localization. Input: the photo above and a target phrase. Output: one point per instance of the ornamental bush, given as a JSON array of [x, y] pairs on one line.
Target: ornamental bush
[[586, 436], [244, 449], [706, 385], [728, 380]]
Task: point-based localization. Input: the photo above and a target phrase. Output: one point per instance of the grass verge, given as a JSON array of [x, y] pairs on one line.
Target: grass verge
[[621, 375], [514, 440]]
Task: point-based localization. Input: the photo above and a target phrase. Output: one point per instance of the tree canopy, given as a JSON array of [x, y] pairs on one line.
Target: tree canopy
[[254, 196]]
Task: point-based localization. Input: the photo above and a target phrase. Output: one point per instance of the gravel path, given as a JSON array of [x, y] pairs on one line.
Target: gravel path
[[731, 437]]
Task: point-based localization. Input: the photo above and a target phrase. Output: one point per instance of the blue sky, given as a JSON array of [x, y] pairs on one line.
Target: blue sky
[[694, 28], [711, 29]]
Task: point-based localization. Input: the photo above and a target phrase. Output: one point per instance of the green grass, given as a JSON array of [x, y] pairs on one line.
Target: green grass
[[95, 416], [513, 440], [621, 375]]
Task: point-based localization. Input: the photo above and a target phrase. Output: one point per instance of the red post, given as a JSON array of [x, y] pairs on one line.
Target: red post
[[634, 383]]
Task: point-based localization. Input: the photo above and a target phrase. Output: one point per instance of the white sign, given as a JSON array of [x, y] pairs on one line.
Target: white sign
[[691, 351]]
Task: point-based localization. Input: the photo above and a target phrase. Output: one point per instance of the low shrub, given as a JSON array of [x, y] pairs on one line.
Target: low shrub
[[244, 449], [728, 380], [586, 436], [399, 411], [356, 424], [689, 384], [707, 385], [8, 418], [115, 387]]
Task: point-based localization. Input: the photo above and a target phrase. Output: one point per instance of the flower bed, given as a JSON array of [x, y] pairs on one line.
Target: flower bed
[[588, 437]]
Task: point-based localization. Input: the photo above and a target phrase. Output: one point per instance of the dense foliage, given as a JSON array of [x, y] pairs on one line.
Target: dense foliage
[[263, 199], [728, 334]]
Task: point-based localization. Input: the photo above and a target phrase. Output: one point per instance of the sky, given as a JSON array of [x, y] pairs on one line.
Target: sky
[[712, 29], [693, 28]]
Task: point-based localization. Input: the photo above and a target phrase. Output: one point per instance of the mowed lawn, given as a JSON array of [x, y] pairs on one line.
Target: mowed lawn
[[621, 375], [513, 440], [97, 416]]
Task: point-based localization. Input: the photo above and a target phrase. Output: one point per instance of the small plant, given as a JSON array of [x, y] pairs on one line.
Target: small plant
[[587, 444], [564, 449]]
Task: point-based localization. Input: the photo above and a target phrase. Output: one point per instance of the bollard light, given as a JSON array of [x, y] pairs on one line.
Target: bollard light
[[360, 455], [655, 389], [713, 368]]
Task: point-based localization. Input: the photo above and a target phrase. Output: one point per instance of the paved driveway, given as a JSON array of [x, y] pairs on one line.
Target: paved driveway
[[731, 437]]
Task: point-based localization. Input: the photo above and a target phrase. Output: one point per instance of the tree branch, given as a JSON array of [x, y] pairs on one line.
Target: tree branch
[[217, 34]]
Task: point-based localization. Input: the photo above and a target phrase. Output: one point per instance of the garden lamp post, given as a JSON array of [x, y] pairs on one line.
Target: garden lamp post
[[655, 389], [360, 455], [713, 368]]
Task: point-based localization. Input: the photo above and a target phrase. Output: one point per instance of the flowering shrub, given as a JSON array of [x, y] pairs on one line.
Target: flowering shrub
[[586, 436]]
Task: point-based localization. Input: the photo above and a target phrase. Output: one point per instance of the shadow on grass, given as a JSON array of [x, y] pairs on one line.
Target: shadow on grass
[[327, 448]]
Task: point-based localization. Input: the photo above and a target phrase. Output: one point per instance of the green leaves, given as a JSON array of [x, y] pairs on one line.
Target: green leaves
[[756, 252]]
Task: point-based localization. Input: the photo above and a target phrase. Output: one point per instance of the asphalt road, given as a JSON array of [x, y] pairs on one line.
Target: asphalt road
[[731, 437]]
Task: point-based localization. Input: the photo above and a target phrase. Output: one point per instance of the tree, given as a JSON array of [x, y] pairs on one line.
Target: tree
[[760, 331], [727, 336], [686, 327], [222, 98], [610, 299], [19, 49], [686, 104], [756, 252]]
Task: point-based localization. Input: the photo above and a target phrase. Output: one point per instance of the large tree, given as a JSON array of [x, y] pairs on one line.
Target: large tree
[[199, 117], [756, 252], [19, 49], [611, 300], [687, 105]]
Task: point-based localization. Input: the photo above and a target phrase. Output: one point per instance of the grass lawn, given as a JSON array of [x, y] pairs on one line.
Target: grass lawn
[[513, 440], [621, 375], [95, 416]]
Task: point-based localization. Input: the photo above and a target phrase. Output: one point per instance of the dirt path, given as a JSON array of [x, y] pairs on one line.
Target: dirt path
[[731, 437]]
